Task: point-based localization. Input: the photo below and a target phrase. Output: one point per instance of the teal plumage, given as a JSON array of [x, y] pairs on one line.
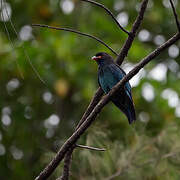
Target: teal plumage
[[109, 74]]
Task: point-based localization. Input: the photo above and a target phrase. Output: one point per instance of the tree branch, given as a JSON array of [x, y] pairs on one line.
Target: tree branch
[[90, 148], [77, 32], [67, 164], [76, 135], [135, 27], [97, 97], [109, 12], [175, 15]]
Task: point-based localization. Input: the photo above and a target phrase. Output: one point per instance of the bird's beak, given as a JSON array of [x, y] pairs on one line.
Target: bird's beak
[[94, 58]]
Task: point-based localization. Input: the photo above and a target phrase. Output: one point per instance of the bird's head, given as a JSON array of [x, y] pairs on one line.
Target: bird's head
[[102, 58]]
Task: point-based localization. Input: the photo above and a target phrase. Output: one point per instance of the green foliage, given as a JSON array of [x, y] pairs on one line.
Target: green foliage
[[37, 118]]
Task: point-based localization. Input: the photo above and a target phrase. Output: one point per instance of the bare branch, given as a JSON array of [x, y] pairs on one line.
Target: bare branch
[[77, 32], [175, 15], [90, 148], [67, 164], [97, 97], [135, 27], [76, 135], [109, 12]]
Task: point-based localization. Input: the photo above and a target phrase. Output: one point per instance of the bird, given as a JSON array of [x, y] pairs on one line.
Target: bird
[[109, 74]]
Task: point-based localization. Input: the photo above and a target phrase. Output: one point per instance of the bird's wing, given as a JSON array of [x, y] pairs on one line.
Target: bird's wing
[[108, 77], [126, 103], [118, 74]]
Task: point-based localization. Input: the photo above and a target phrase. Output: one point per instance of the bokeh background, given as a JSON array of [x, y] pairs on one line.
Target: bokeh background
[[36, 118]]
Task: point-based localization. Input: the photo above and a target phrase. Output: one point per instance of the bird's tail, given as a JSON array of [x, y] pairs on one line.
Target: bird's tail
[[131, 114], [127, 108]]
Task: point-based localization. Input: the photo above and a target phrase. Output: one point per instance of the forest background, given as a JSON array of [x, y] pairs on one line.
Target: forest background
[[36, 118]]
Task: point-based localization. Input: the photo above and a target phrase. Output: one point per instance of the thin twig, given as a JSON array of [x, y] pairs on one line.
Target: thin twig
[[76, 135], [77, 32], [171, 154], [118, 173], [109, 12], [127, 45], [175, 15], [24, 49], [9, 38], [90, 148]]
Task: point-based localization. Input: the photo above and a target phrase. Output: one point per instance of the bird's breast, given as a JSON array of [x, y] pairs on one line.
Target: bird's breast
[[107, 79]]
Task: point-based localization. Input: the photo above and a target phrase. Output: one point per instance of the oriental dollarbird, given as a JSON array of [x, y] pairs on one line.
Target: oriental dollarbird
[[109, 74]]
